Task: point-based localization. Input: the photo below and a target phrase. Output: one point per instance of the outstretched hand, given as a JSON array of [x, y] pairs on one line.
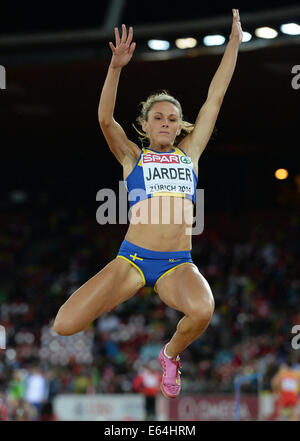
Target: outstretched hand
[[236, 29], [123, 49]]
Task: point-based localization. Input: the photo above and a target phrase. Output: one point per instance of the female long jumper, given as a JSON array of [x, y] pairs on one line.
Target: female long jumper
[[156, 254]]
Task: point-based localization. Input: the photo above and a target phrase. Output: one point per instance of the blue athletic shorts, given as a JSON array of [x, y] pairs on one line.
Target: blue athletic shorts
[[152, 265]]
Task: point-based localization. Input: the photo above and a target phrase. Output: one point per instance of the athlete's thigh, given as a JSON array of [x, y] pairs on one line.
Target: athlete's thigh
[[115, 283], [185, 289]]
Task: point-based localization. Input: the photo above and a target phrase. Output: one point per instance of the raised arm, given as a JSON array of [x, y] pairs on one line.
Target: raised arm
[[196, 141], [115, 136]]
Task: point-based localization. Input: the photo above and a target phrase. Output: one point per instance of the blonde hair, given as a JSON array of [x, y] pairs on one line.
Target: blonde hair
[[159, 97]]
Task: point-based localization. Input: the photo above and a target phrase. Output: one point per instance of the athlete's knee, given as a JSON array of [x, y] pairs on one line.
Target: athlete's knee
[[211, 305], [201, 315], [62, 324], [201, 312]]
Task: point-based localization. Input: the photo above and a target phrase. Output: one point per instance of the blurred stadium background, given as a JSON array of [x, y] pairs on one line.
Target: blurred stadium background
[[54, 160]]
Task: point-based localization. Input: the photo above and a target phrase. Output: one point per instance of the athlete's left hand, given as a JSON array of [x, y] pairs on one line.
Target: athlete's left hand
[[236, 29]]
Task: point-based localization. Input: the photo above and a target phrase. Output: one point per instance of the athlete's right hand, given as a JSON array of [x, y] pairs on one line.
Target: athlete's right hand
[[123, 50]]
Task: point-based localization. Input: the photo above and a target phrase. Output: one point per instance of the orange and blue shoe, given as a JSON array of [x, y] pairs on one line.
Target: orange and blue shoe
[[171, 383]]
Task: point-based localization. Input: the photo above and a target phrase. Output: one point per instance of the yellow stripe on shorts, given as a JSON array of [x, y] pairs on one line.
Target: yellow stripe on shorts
[[139, 269]]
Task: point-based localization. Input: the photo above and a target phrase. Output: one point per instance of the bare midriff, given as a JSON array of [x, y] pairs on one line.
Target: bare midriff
[[161, 223]]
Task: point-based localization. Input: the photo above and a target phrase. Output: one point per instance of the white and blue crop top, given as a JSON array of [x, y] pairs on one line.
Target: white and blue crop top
[[161, 174]]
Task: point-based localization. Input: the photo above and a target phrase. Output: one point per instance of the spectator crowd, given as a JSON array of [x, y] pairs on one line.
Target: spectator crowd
[[251, 261]]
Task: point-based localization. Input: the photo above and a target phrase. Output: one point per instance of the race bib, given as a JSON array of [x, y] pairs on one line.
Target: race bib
[[170, 173], [289, 384]]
